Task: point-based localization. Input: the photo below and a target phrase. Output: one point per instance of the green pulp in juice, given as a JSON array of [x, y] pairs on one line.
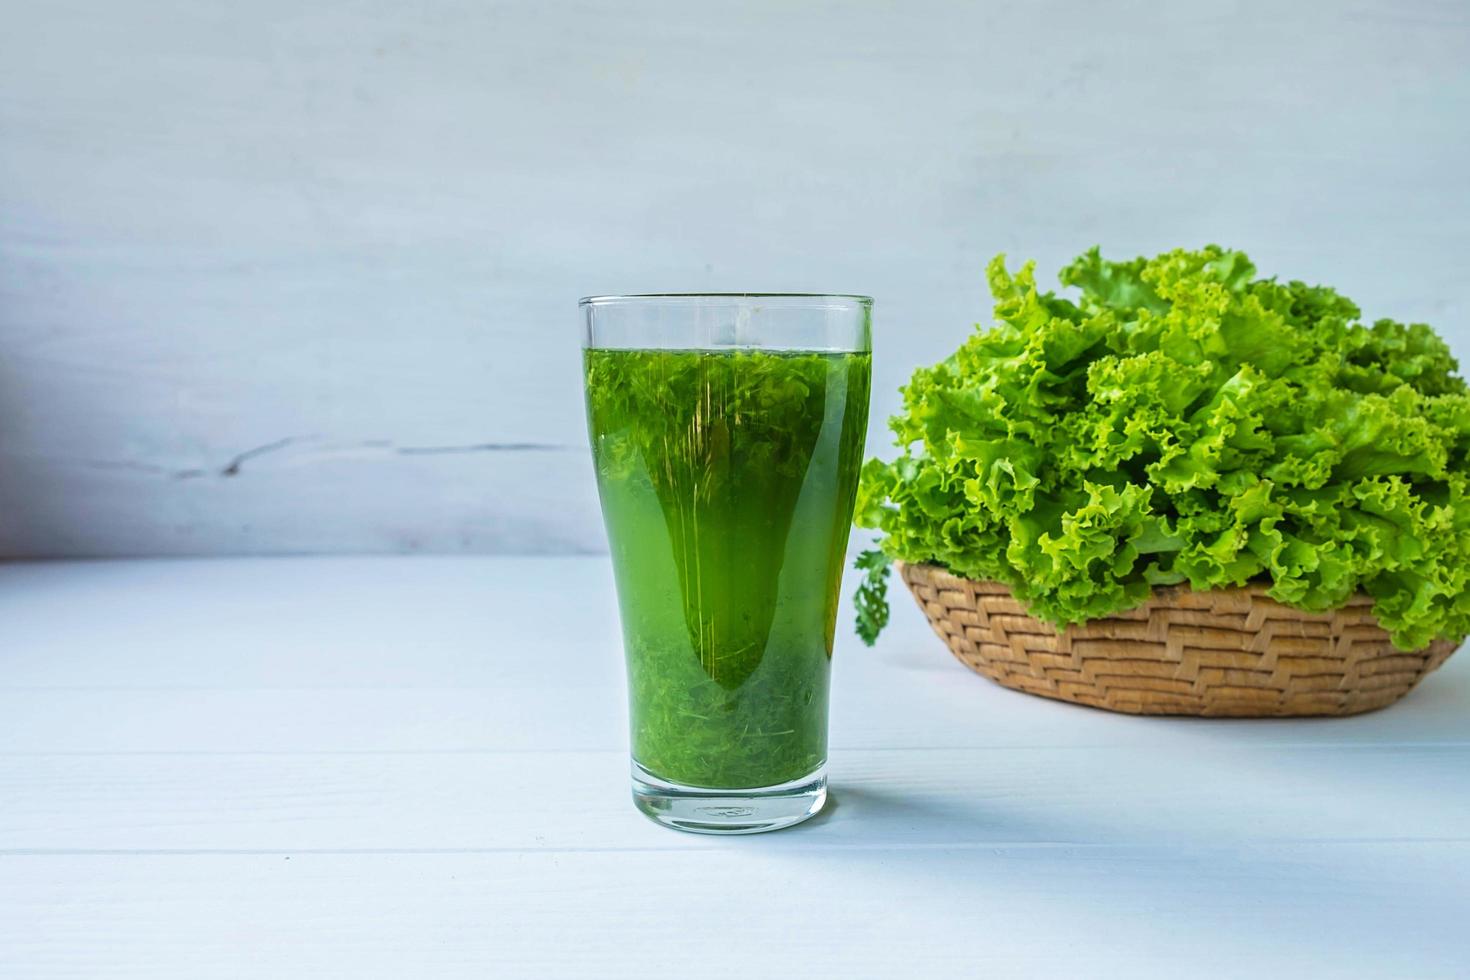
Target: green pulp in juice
[[727, 481]]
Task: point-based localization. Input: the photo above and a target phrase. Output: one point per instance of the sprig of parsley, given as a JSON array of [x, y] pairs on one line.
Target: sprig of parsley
[[871, 598]]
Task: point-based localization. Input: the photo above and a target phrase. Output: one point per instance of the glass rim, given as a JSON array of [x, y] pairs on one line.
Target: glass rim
[[607, 300]]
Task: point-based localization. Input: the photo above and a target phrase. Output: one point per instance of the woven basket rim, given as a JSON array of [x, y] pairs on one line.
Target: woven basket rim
[[1256, 591]]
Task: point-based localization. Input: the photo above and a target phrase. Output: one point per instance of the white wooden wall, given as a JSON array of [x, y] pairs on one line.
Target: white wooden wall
[[281, 276]]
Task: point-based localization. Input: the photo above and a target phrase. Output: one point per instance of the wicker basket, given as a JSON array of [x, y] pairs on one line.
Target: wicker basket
[[1230, 652]]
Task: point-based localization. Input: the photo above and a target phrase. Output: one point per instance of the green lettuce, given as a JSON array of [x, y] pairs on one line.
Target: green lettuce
[[1183, 421]]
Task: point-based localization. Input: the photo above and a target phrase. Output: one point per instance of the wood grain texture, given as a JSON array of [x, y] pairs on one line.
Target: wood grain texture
[[379, 767], [353, 229], [723, 913], [1186, 795]]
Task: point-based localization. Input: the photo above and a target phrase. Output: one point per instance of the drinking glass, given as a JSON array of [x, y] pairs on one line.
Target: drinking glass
[[727, 433]]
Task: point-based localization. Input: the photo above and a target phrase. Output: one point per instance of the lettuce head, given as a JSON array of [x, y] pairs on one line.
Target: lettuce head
[[1180, 420]]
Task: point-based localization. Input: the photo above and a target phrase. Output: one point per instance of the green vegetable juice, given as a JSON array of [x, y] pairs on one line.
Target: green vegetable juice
[[727, 480]]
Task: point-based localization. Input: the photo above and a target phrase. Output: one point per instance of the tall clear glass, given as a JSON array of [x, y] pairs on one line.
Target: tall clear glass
[[727, 432]]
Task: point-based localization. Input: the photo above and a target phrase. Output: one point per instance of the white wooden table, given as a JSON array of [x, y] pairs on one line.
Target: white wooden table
[[415, 767]]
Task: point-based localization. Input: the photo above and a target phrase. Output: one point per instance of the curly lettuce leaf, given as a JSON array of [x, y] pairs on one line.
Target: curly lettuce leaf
[[1184, 421]]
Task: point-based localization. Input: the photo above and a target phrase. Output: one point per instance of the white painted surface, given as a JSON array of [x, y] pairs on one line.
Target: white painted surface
[[415, 767], [362, 226]]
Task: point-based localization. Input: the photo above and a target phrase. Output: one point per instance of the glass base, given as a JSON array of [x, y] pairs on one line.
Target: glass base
[[700, 810]]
